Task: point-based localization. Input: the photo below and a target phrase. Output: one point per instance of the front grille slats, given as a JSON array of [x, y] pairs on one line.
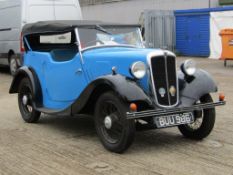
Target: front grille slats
[[172, 78], [164, 78]]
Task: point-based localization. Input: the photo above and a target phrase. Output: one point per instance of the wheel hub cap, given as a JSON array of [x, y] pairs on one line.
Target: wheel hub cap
[[25, 100], [108, 122]]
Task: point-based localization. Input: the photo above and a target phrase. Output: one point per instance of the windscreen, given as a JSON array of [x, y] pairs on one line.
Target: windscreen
[[98, 36]]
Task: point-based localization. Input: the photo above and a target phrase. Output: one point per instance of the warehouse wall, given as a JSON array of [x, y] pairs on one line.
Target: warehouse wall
[[129, 11]]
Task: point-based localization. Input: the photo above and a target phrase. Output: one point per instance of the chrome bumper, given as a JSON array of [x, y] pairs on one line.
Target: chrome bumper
[[161, 112]]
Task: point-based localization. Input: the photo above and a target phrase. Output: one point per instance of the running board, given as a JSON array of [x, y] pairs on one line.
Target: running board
[[54, 111]]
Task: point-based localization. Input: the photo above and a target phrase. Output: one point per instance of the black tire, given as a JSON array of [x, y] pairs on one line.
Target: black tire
[[13, 64], [28, 113], [208, 120], [120, 136]]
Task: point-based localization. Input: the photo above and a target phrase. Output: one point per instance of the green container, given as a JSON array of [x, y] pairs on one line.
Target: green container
[[225, 2]]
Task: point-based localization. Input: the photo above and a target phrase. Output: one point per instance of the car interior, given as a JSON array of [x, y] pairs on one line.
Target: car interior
[[60, 51]]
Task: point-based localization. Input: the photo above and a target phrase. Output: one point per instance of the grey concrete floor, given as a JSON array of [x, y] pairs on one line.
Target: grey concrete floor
[[69, 145]]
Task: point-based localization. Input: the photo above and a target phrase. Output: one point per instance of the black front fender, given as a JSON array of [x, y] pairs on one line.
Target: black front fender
[[126, 89], [191, 92]]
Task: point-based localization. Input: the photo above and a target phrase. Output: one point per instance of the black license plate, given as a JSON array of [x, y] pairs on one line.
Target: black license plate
[[174, 120]]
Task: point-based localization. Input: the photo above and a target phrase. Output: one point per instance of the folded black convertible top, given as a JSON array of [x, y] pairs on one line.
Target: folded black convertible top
[[65, 25]]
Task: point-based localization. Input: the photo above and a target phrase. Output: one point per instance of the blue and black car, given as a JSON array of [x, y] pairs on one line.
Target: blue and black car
[[91, 67]]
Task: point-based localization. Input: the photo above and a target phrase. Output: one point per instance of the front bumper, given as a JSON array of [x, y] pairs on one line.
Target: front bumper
[[178, 110]]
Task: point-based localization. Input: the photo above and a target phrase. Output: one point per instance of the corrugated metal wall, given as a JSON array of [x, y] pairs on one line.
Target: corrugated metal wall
[[159, 29], [226, 2], [193, 33]]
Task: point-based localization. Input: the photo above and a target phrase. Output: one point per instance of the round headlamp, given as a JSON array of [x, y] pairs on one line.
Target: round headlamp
[[138, 70], [189, 67]]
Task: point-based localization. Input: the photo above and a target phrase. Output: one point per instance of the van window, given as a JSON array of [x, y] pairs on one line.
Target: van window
[[56, 39]]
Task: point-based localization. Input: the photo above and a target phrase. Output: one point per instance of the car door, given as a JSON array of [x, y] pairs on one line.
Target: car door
[[65, 80], [63, 70]]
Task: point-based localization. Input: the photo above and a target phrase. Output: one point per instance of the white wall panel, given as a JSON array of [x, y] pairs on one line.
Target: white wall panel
[[130, 11], [218, 22]]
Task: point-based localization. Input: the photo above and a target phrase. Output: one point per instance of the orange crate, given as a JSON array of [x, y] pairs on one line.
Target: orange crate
[[227, 45]]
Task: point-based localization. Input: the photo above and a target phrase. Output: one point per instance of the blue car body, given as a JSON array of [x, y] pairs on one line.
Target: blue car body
[[62, 84], [68, 78], [83, 67]]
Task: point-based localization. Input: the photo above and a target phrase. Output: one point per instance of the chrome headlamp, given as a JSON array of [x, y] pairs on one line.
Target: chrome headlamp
[[138, 69], [189, 67]]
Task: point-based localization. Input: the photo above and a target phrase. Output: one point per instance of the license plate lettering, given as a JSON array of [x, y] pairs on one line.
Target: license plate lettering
[[188, 119], [166, 121], [178, 119], [183, 119], [173, 120], [161, 122]]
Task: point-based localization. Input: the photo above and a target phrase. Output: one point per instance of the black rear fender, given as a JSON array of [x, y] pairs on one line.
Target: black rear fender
[[25, 72]]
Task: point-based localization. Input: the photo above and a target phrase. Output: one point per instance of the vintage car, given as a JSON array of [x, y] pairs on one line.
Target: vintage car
[[91, 67]]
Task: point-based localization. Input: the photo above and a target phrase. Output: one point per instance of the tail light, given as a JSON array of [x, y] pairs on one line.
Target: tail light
[[22, 49]]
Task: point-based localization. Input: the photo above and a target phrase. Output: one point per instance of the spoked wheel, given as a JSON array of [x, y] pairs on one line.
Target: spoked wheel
[[114, 130], [13, 65], [29, 114], [203, 122]]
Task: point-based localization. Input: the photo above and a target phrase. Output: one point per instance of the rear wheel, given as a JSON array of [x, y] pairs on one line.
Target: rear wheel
[[203, 123], [13, 64], [25, 102], [114, 130]]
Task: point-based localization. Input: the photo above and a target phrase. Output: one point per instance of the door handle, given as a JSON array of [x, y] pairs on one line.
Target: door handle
[[79, 71]]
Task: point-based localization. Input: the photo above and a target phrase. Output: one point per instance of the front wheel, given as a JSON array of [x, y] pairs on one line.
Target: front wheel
[[203, 122], [114, 130], [25, 101]]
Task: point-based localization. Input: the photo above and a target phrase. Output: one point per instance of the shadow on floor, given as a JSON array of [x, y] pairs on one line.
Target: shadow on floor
[[73, 126], [84, 126]]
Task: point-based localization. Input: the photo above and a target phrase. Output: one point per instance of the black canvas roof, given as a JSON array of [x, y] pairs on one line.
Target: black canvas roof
[[66, 25]]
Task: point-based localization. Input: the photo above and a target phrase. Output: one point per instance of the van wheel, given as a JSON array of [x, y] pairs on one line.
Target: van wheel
[[203, 122], [25, 102], [114, 130], [13, 64]]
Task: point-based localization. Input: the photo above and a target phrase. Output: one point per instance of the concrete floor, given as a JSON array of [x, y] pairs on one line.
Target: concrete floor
[[68, 145]]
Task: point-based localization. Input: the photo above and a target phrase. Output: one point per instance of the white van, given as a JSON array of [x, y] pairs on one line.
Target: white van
[[14, 14]]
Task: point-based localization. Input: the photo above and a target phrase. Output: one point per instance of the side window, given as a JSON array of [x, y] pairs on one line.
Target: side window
[[49, 42], [61, 46]]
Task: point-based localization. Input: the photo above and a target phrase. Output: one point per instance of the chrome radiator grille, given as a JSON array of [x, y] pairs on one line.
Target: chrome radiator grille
[[164, 80]]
